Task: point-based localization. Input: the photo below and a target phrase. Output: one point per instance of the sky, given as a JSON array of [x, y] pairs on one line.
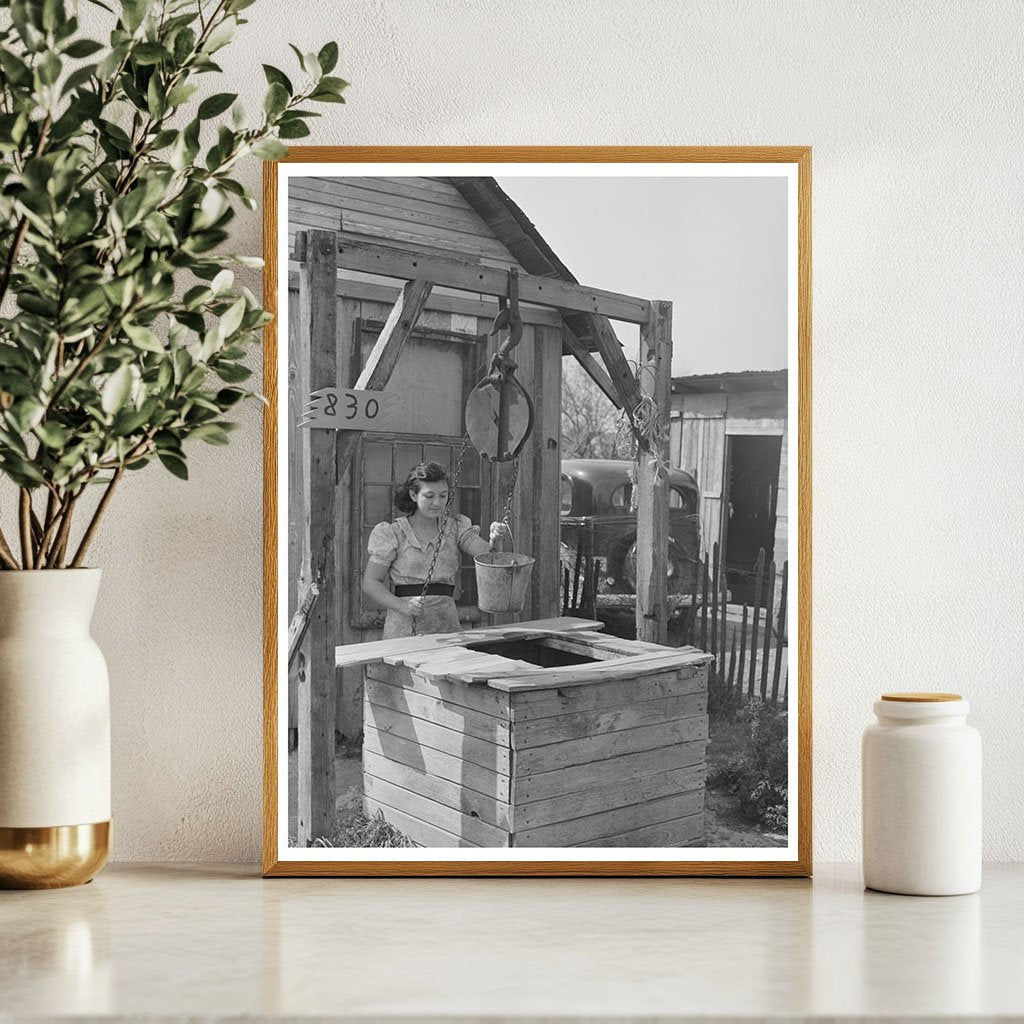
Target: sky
[[714, 246]]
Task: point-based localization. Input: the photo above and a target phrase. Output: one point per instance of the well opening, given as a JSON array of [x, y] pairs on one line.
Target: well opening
[[545, 652]]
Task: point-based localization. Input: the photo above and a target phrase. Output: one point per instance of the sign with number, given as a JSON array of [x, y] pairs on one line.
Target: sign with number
[[337, 409]]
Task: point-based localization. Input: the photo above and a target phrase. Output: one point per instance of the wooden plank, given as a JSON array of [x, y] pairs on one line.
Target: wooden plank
[[596, 372], [681, 832], [315, 770], [481, 699], [600, 333], [652, 484], [662, 736], [580, 724], [442, 791], [384, 356], [531, 704], [449, 741], [464, 826], [392, 261], [439, 301], [422, 833], [621, 793], [340, 191], [547, 469], [614, 822], [598, 672], [766, 654], [781, 633], [581, 777], [361, 654], [414, 216], [437, 763], [430, 709], [756, 609]]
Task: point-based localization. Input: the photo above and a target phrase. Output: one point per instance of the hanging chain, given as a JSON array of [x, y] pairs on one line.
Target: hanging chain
[[507, 518], [452, 490]]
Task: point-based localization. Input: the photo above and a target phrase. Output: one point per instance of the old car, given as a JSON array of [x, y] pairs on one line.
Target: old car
[[598, 534]]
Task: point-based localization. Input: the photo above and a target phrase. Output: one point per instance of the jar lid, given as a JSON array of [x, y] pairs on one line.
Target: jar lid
[[921, 698]]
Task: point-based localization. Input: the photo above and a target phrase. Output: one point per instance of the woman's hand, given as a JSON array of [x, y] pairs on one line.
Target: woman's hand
[[499, 531], [411, 606]]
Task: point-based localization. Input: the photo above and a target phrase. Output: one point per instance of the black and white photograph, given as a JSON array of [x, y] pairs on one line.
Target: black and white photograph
[[537, 542]]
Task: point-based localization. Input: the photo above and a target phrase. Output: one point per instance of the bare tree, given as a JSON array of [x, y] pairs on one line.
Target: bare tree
[[591, 425]]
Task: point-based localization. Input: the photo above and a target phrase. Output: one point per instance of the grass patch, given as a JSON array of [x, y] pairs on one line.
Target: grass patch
[[361, 831]]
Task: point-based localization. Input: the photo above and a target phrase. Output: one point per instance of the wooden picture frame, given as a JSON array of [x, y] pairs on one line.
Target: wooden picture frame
[[568, 319]]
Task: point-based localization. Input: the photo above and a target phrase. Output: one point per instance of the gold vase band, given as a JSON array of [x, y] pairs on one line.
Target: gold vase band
[[53, 857]]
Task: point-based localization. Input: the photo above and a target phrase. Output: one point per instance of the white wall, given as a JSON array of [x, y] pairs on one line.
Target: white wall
[[914, 113]]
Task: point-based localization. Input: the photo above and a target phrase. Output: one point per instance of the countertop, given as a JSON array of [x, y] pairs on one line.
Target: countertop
[[177, 942]]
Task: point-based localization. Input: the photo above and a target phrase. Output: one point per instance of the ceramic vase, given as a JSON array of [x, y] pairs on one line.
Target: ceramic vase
[[54, 731]]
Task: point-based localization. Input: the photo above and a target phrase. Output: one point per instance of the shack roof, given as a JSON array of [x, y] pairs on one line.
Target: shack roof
[[520, 236], [731, 383]]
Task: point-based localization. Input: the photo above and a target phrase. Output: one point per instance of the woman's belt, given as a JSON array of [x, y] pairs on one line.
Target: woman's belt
[[415, 589]]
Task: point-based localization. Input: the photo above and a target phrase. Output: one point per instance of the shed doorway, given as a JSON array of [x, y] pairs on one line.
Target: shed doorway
[[752, 481]]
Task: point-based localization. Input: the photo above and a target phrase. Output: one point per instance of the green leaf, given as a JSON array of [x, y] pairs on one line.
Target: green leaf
[[149, 53], [325, 96], [26, 414], [144, 338], [181, 94], [184, 44], [328, 57], [221, 35], [334, 84], [274, 76], [53, 435], [216, 104], [211, 433], [232, 319], [14, 68], [49, 68], [116, 390], [269, 149], [292, 130], [175, 464], [83, 48], [276, 100], [78, 78], [222, 281], [232, 373]]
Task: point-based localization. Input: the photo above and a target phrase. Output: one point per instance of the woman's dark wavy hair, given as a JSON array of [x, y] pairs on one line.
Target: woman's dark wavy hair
[[424, 473]]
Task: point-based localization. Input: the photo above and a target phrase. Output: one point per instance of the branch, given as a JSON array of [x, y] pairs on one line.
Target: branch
[[97, 516], [25, 521], [60, 544], [6, 555], [22, 229]]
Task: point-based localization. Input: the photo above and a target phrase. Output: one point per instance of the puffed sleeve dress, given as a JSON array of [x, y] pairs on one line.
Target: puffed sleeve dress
[[407, 559]]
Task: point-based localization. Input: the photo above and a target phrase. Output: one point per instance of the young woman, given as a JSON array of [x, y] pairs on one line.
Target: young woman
[[402, 551]]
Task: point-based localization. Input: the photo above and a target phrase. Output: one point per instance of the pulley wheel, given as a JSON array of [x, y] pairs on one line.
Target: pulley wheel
[[482, 419]]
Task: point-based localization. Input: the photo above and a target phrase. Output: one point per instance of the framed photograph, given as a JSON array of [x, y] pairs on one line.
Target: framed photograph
[[538, 511]]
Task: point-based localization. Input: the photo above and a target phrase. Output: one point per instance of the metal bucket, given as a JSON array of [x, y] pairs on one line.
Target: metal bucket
[[502, 579]]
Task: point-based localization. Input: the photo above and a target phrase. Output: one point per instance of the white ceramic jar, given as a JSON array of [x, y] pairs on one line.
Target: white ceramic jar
[[921, 778]]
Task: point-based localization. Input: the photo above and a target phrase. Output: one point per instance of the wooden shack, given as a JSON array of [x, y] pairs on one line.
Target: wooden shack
[[393, 285], [543, 735], [730, 430]]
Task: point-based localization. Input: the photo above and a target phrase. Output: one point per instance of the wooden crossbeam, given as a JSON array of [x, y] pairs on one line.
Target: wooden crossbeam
[[594, 369], [383, 358], [389, 261], [600, 331]]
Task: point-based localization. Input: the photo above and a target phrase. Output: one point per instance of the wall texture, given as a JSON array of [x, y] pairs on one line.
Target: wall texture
[[913, 110]]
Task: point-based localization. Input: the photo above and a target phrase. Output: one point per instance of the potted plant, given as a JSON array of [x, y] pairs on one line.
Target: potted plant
[[122, 342]]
